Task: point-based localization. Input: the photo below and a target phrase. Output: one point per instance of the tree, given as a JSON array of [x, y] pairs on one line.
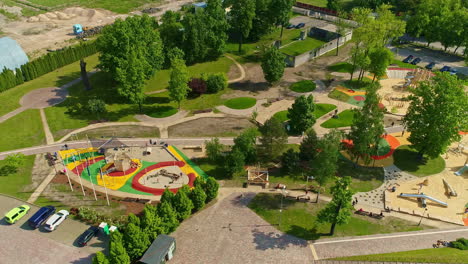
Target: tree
[[195, 41], [309, 146], [436, 114], [290, 161], [342, 27], [242, 13], [215, 82], [273, 65], [12, 163], [335, 5], [246, 144], [326, 163], [211, 188], [380, 59], [133, 219], [273, 139], [117, 252], [281, 11], [172, 54], [178, 88], [214, 150], [131, 51], [168, 217], [197, 86], [217, 37], [301, 114], [167, 196], [171, 29], [198, 197], [150, 222], [338, 211], [96, 106], [234, 162], [182, 204], [136, 241], [368, 127], [100, 258]]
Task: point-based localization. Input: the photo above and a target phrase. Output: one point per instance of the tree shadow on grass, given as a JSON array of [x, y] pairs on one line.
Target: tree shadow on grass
[[348, 168], [408, 160], [274, 240], [304, 233]]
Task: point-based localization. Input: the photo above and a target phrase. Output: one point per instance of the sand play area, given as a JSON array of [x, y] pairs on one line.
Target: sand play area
[[393, 95], [435, 188]]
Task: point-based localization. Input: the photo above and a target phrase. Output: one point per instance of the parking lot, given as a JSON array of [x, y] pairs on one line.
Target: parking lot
[[20, 244]]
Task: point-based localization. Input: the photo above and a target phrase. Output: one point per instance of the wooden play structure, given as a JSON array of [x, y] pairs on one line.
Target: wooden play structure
[[418, 75], [258, 176]]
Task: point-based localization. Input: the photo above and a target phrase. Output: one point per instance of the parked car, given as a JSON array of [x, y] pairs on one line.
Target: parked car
[[453, 71], [430, 66], [290, 26], [408, 59], [41, 216], [300, 25], [16, 214], [56, 220], [416, 61], [446, 68], [87, 235]]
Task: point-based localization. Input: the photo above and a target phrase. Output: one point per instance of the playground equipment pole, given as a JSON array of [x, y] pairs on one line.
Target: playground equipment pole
[[105, 187], [79, 176], [422, 216], [66, 172]]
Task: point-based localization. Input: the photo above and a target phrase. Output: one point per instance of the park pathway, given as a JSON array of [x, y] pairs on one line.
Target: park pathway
[[45, 125]]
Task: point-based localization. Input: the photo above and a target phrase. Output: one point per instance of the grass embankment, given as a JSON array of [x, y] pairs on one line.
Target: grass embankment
[[302, 46], [22, 131], [14, 184], [432, 255], [344, 67], [118, 131], [407, 159], [320, 110], [404, 65], [300, 219], [303, 86], [345, 118], [241, 102], [123, 6]]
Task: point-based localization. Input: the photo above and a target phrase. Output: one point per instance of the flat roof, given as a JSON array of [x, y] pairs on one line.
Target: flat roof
[[157, 250]]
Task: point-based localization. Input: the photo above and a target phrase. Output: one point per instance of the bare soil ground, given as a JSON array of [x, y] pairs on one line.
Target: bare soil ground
[[119, 131], [210, 127]]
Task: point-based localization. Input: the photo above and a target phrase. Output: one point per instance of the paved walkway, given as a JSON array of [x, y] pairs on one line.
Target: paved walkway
[[42, 186], [45, 126]]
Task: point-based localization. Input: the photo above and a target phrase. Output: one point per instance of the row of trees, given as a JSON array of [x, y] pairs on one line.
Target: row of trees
[[45, 64], [164, 218]]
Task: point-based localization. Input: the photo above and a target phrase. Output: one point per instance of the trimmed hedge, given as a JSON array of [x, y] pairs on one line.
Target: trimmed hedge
[[45, 64]]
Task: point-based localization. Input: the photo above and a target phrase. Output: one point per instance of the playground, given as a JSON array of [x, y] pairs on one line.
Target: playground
[[137, 170]]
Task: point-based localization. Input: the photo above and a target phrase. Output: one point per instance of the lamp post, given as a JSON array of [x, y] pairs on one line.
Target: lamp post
[[281, 207], [422, 216]]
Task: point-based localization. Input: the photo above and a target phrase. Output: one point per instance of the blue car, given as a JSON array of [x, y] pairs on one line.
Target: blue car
[[408, 59], [290, 26], [300, 25], [430, 66], [416, 61], [445, 68]]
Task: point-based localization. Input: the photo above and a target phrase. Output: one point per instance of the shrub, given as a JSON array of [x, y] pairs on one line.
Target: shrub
[[460, 243], [215, 82], [197, 86]]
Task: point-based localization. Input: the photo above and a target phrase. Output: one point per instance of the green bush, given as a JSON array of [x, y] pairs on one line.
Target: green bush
[[215, 82], [460, 243]]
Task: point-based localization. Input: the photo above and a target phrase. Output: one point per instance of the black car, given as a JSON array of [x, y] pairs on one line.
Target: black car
[[430, 66], [300, 25], [84, 238], [290, 26], [416, 61], [408, 59]]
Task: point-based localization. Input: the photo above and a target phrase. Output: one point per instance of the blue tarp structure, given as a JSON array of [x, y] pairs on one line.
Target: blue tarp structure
[[200, 5], [12, 55]]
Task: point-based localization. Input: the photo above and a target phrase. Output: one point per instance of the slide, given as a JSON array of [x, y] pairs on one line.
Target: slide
[[462, 170], [423, 196]]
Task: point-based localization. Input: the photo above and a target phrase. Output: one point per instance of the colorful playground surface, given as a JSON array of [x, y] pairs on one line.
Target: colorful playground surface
[[385, 148], [137, 170]]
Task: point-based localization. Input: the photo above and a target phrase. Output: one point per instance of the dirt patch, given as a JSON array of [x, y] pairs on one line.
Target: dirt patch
[[253, 81], [119, 131], [233, 72], [210, 127]]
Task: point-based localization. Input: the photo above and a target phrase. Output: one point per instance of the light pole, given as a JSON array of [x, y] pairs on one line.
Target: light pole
[[422, 216], [281, 207]]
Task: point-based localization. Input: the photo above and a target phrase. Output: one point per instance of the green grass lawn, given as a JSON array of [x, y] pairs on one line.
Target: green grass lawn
[[432, 255], [241, 102], [407, 160], [303, 86], [335, 94], [282, 116], [320, 110], [341, 67], [163, 111], [13, 184], [10, 98], [124, 6], [161, 79], [22, 131], [364, 179], [404, 65], [302, 46], [299, 219], [345, 118]]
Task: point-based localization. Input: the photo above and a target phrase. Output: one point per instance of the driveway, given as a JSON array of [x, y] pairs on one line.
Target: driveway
[[20, 244], [229, 232]]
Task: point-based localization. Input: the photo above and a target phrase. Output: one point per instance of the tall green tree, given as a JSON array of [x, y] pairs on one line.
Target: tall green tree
[[214, 150], [241, 15], [273, 139], [97, 107], [131, 51], [290, 161], [198, 197], [380, 59], [246, 144], [217, 36], [168, 216], [273, 65], [150, 222], [171, 30], [182, 203], [167, 196], [308, 149], [234, 162], [325, 164], [136, 241], [133, 219], [178, 87], [335, 5], [117, 252], [100, 258], [301, 114], [436, 114], [338, 211], [263, 22], [281, 11], [211, 188]]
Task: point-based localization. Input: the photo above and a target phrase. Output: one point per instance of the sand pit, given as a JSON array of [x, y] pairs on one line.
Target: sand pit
[[393, 95]]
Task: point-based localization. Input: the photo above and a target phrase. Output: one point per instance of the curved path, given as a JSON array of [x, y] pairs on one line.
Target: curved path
[[241, 69]]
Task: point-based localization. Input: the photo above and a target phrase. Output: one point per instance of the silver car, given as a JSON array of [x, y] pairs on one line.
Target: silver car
[[56, 220]]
